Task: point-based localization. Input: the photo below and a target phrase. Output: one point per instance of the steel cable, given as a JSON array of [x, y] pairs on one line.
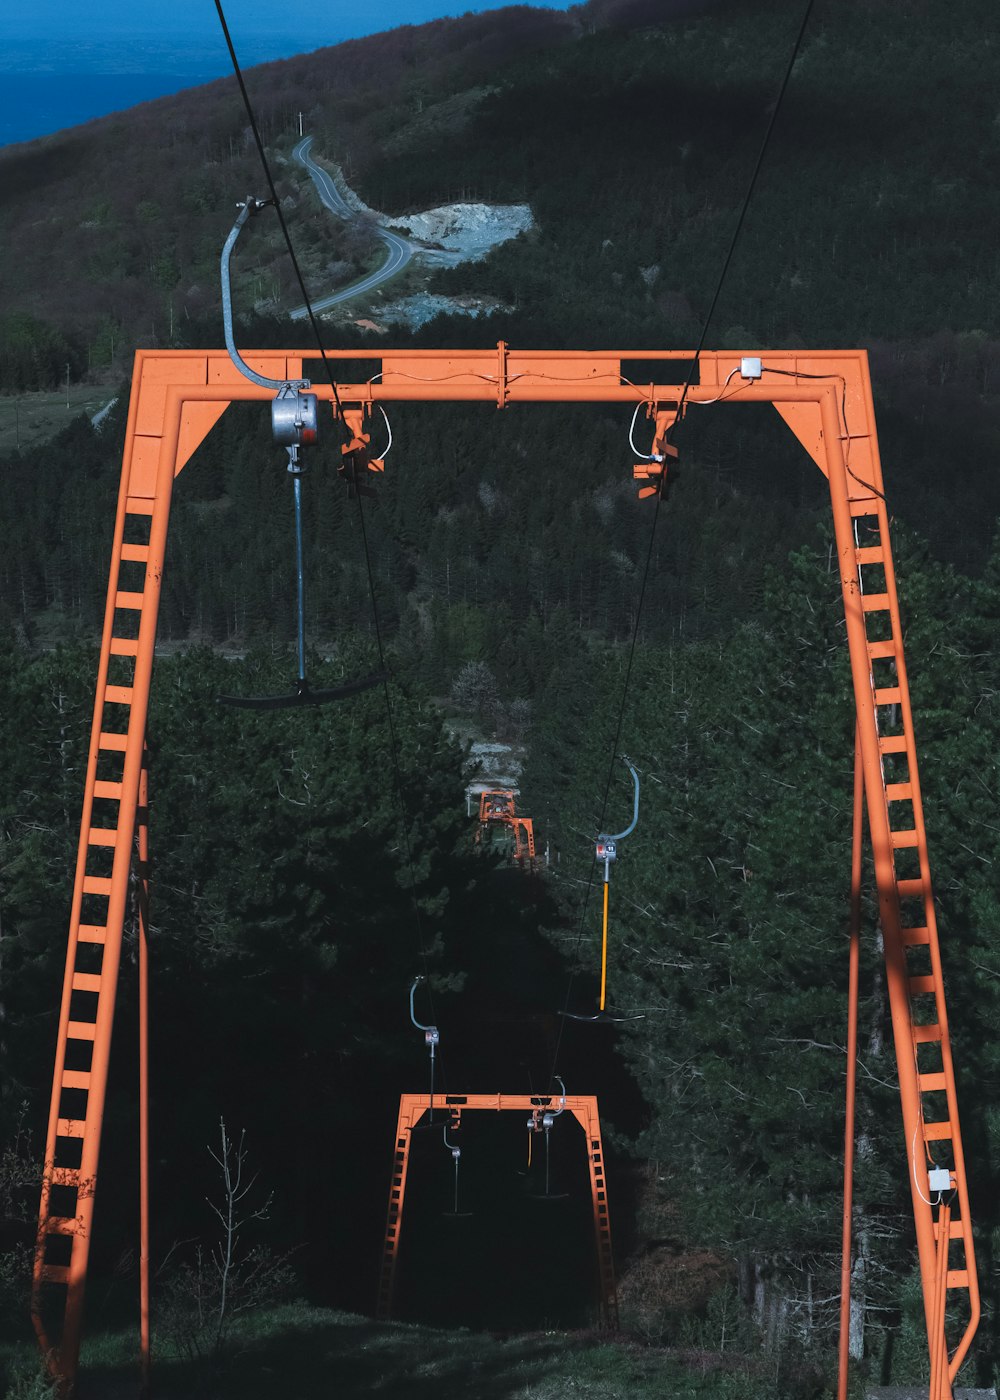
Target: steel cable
[[393, 739], [796, 47]]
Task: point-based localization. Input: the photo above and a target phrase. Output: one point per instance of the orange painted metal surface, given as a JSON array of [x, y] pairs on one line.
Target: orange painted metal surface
[[854, 958], [142, 894], [582, 1107], [498, 808], [825, 398]]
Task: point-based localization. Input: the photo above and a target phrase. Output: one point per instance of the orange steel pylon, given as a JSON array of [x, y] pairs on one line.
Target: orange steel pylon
[[498, 808], [825, 399], [582, 1107]]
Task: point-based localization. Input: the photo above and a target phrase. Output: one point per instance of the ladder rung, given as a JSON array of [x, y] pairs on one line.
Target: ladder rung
[[956, 1230], [86, 982], [892, 743], [54, 1273], [138, 552], [936, 1132], [875, 602], [903, 840], [930, 1082], [129, 600], [65, 1176], [96, 884], [92, 933], [71, 1127], [867, 505], [915, 937], [81, 1030], [910, 889], [889, 695], [921, 986], [138, 505], [118, 694], [124, 646], [115, 742], [870, 554], [924, 1035], [104, 789], [76, 1078], [958, 1278], [102, 836], [62, 1225], [882, 650], [899, 792]]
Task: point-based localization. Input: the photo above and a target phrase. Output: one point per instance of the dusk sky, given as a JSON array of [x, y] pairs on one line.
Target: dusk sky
[[316, 23], [63, 64]]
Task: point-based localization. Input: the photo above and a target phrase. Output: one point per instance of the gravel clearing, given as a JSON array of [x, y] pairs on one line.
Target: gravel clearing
[[417, 310], [462, 232], [466, 232]]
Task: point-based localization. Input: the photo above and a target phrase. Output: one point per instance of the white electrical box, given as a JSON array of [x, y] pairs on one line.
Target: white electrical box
[[939, 1179], [750, 367]]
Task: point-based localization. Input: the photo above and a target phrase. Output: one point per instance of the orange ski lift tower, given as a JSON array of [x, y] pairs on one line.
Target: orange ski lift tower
[[825, 399], [583, 1108], [498, 808]]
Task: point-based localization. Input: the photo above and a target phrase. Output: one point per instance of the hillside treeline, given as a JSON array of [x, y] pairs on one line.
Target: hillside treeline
[[631, 131], [290, 916]]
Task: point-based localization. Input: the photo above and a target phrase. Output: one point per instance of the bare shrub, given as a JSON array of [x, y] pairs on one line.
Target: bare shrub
[[202, 1297]]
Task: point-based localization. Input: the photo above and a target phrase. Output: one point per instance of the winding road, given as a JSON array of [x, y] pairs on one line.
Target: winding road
[[399, 251]]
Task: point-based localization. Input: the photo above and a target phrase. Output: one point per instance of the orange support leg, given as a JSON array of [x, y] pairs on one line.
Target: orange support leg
[[852, 1073], [144, 1344]]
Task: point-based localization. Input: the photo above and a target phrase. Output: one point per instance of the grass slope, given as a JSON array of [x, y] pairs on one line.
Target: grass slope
[[311, 1352]]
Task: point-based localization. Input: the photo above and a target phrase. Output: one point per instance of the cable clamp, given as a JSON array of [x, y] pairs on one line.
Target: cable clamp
[[357, 460], [653, 469], [253, 205]]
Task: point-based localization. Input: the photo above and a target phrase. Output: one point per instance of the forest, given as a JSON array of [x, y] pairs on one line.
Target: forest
[[307, 865]]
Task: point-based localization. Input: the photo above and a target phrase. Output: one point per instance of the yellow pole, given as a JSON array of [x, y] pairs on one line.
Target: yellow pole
[[604, 948]]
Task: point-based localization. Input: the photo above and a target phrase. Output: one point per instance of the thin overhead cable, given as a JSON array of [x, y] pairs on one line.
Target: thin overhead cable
[[796, 47], [393, 741], [274, 197], [746, 200]]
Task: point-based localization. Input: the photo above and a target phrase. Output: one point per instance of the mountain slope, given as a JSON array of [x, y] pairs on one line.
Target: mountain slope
[[112, 230]]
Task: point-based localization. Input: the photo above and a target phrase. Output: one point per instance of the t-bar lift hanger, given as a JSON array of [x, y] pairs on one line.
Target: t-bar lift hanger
[[541, 1121], [432, 1038], [456, 1157], [606, 852], [294, 424]]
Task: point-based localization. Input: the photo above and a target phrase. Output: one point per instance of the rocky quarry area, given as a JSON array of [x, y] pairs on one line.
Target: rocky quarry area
[[447, 235]]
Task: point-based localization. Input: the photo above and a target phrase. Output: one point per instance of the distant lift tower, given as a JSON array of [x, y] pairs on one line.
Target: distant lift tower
[[540, 1110], [498, 817]]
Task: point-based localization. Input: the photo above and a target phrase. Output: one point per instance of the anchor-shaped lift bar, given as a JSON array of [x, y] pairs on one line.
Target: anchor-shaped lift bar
[[606, 853], [294, 424]]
